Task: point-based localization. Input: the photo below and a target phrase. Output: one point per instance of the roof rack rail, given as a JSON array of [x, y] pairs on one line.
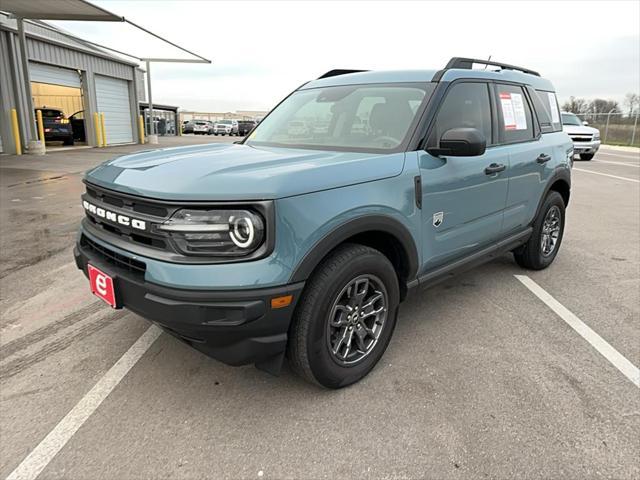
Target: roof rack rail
[[467, 63], [335, 73]]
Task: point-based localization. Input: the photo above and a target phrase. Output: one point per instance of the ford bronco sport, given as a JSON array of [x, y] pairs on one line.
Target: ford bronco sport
[[304, 245]]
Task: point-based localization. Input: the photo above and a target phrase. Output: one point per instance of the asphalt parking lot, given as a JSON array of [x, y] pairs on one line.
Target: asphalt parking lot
[[482, 378]]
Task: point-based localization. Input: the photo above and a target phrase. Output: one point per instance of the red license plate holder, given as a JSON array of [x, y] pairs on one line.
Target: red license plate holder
[[102, 285]]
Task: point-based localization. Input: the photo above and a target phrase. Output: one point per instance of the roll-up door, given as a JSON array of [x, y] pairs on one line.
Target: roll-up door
[[112, 96], [41, 73]]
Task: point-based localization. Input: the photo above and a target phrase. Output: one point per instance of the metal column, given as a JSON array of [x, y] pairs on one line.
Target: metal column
[[31, 129], [152, 129]]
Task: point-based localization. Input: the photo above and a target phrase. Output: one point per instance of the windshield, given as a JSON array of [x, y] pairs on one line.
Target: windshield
[[225, 122], [353, 117], [570, 119]]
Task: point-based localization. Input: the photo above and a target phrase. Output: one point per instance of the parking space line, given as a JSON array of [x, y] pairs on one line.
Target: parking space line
[[632, 157], [625, 164], [627, 368], [607, 175], [49, 447]]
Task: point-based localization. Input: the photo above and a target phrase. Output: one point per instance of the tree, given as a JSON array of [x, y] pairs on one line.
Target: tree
[[575, 105], [632, 102], [600, 105]]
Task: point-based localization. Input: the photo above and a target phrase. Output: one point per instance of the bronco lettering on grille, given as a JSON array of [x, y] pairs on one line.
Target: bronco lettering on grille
[[114, 217]]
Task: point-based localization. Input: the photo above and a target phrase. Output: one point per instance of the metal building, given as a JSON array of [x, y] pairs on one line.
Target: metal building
[[68, 74]]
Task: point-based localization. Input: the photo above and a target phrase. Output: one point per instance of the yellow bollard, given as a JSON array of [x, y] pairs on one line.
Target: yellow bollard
[[98, 128], [141, 128], [16, 131], [41, 129], [104, 131]]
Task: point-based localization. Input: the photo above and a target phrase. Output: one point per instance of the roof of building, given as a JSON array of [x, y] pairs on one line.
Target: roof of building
[[59, 10], [47, 32]]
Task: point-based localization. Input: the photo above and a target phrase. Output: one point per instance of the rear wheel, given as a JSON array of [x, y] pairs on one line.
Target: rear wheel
[[345, 318], [68, 141], [586, 156], [548, 228]]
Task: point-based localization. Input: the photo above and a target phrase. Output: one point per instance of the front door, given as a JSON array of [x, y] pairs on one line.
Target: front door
[[463, 198]]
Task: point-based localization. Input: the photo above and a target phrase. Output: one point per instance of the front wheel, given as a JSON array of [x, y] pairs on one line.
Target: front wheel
[[548, 228], [345, 317], [586, 156]]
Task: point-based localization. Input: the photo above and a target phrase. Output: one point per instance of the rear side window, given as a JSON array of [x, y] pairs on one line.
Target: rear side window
[[466, 105], [548, 110], [514, 114]]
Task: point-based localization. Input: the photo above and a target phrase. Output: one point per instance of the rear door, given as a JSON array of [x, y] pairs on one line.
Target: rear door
[[530, 154], [462, 202]]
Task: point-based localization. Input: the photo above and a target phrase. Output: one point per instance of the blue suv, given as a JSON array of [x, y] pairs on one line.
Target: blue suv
[[302, 240]]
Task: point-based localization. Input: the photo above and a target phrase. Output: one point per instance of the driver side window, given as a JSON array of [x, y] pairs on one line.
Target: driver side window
[[466, 105]]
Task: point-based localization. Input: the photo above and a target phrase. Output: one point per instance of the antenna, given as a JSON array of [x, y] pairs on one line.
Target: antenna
[[487, 64]]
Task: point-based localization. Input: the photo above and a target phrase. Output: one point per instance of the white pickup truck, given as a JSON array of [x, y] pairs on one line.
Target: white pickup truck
[[586, 140]]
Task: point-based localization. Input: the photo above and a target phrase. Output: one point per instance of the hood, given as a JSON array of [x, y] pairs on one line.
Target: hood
[[579, 129], [238, 172]]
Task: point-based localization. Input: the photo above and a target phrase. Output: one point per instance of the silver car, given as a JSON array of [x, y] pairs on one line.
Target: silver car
[[586, 140]]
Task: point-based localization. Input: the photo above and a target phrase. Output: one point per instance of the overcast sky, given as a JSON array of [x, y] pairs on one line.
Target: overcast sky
[[263, 50]]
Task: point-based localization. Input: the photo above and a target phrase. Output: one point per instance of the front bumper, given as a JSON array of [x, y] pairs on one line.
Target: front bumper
[[586, 147], [236, 327]]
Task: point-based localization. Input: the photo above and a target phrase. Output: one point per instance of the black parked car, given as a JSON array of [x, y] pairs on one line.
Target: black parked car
[[245, 126], [56, 125], [187, 126]]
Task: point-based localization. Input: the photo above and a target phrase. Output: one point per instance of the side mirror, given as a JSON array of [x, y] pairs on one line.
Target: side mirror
[[585, 123], [461, 142]]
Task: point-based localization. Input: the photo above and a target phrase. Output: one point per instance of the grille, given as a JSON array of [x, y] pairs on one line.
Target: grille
[[113, 258], [583, 138], [142, 239], [135, 205], [150, 212]]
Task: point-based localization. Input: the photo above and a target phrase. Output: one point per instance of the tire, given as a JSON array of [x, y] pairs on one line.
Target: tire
[[532, 255], [68, 141], [586, 156], [312, 336]]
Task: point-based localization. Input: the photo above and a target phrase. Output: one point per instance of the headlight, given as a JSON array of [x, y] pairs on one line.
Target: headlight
[[228, 233], [596, 136]]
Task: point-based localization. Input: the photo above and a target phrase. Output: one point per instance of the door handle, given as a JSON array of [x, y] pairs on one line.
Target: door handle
[[543, 158], [495, 168]]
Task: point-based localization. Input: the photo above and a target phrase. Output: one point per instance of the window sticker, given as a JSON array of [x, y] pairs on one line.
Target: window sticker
[[518, 108], [508, 113], [553, 106], [513, 112]]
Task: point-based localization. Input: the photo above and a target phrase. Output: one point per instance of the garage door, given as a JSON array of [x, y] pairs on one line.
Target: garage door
[[39, 72], [113, 100]]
